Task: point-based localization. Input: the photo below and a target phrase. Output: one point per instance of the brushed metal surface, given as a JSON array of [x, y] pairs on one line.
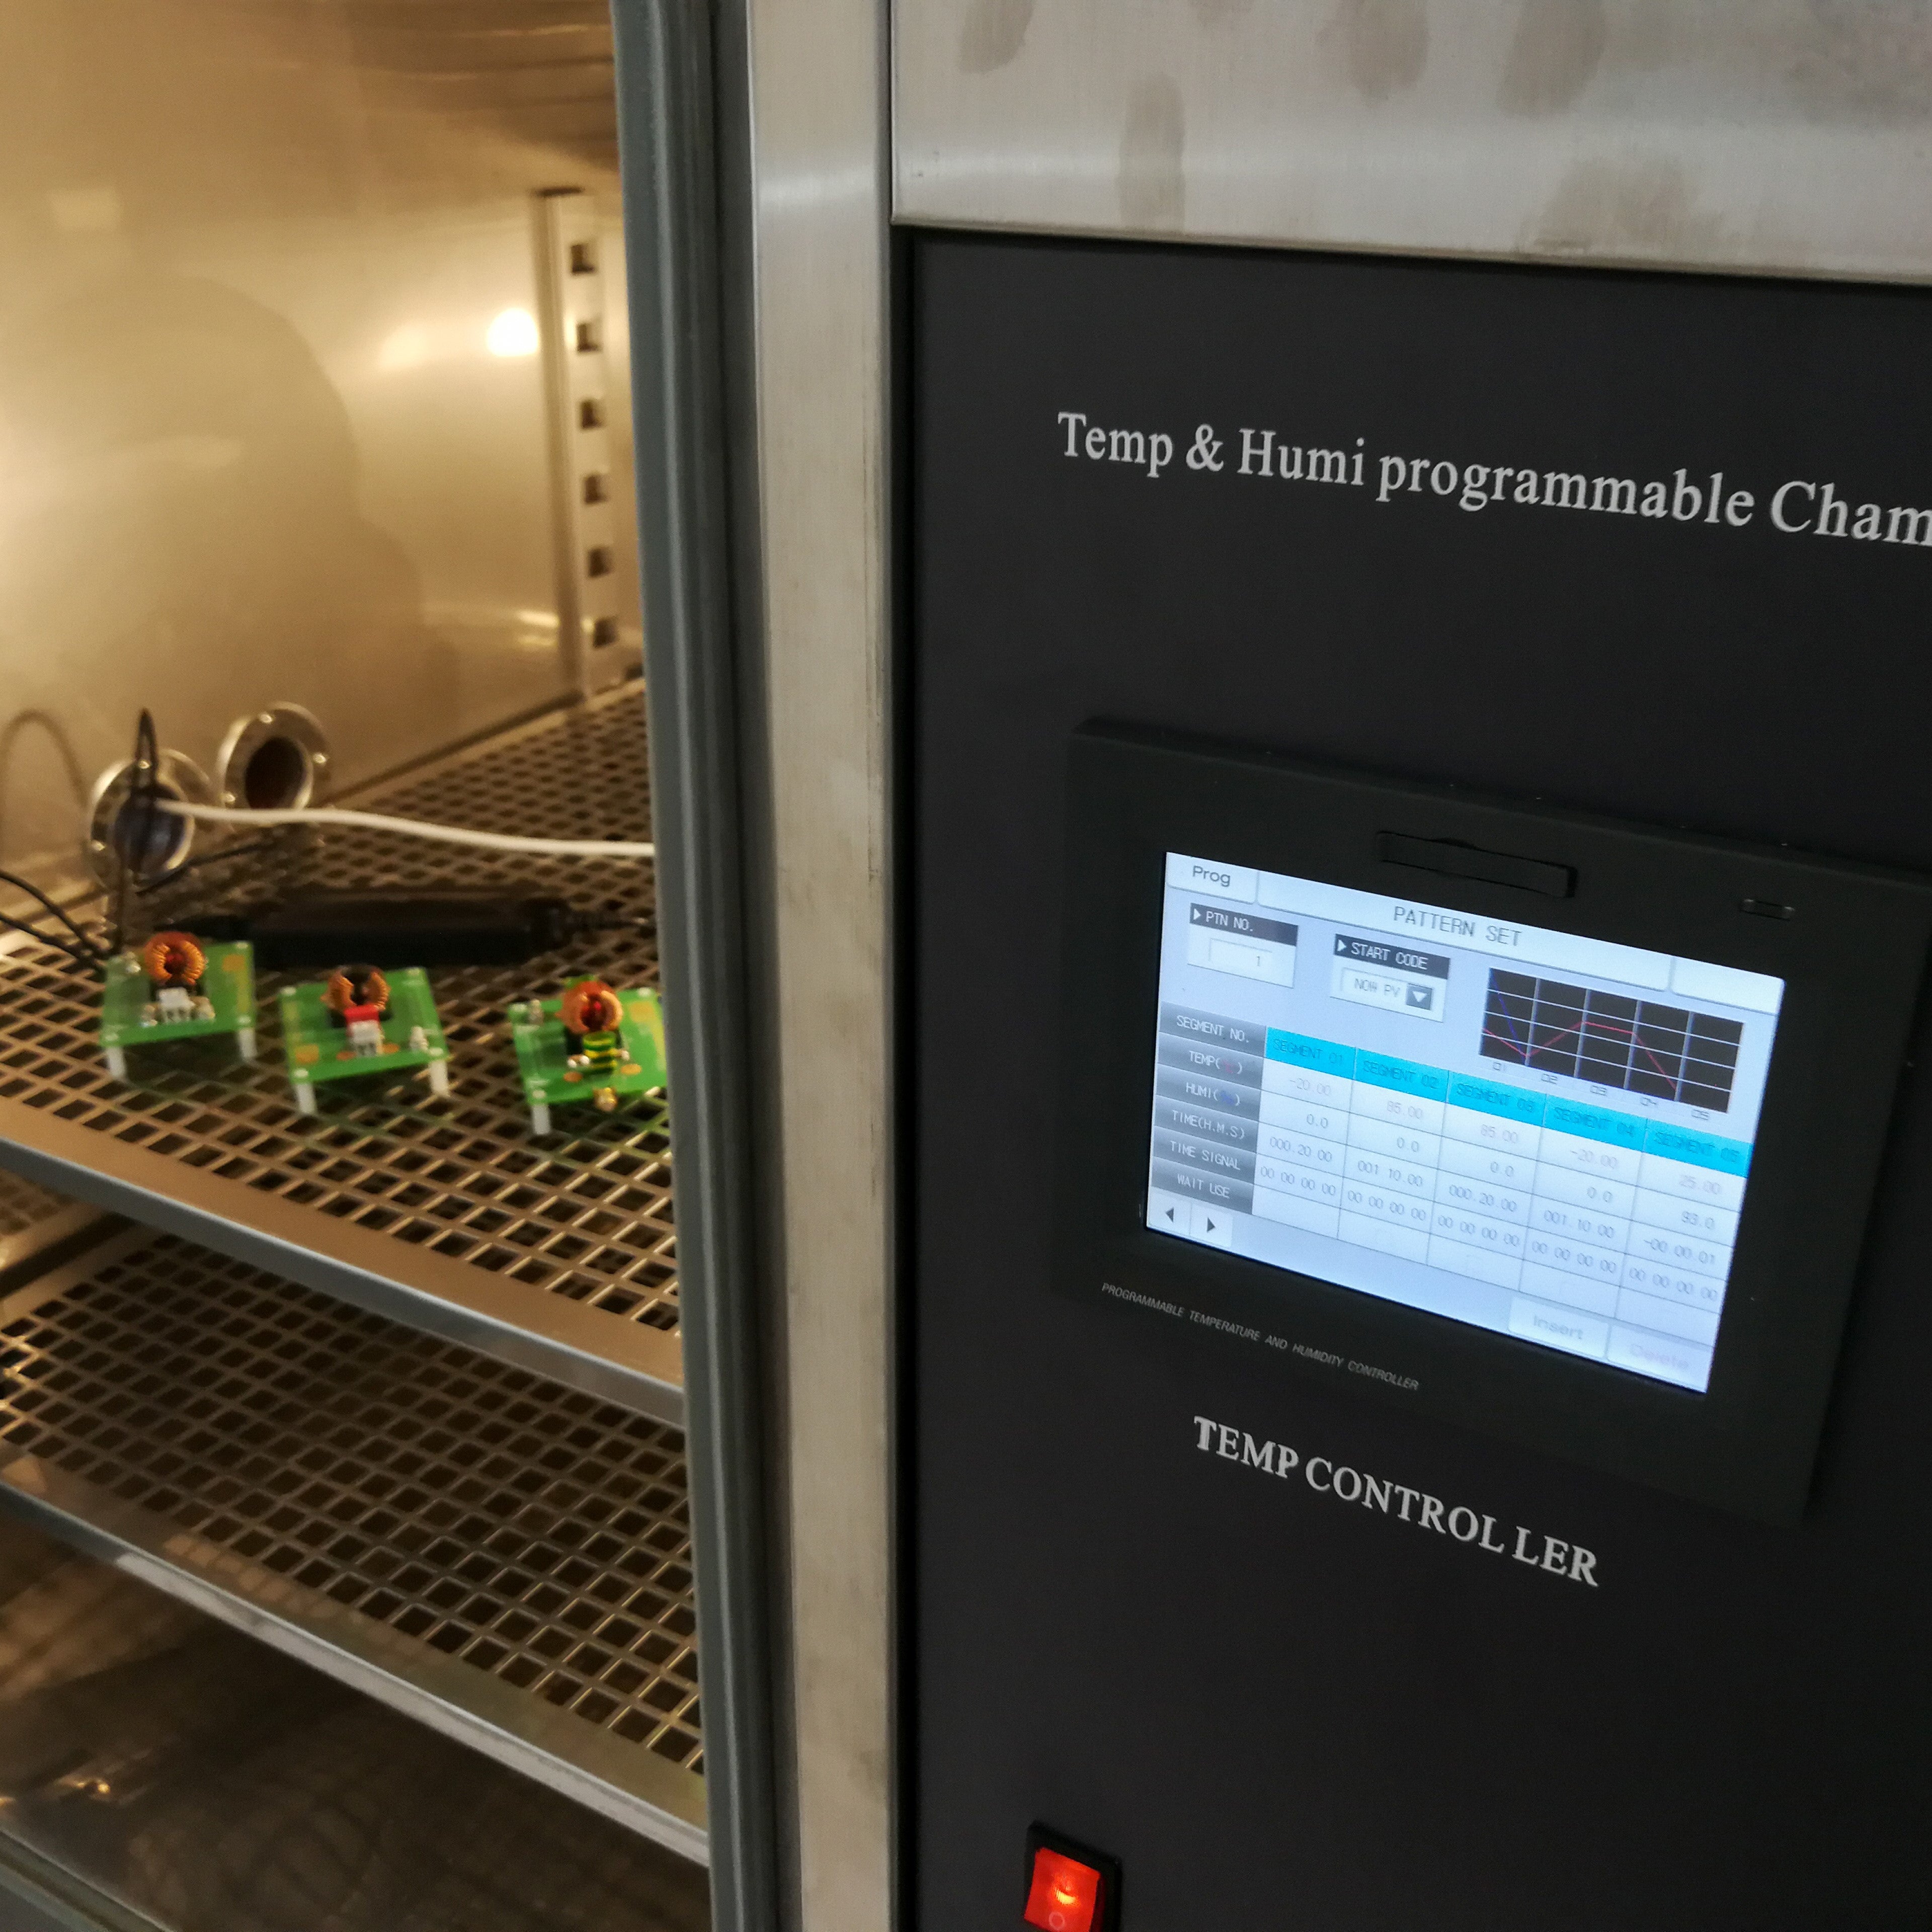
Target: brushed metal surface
[[33, 1219], [818, 193], [557, 1254], [292, 742], [504, 1559], [684, 143], [262, 436], [1787, 135]]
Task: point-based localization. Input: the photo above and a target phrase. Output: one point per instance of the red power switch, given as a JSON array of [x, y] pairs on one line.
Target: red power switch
[[1070, 1888]]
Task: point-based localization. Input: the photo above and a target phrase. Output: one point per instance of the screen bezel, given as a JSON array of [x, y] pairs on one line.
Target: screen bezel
[[1851, 954]]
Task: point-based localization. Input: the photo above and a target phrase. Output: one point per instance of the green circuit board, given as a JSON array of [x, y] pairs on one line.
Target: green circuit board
[[133, 1014], [543, 1050], [316, 1043]]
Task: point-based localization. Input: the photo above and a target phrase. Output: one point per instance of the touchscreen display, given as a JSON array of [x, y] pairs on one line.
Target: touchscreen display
[[1544, 1135]]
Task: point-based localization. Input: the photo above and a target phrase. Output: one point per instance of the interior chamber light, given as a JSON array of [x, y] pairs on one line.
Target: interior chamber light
[[514, 332]]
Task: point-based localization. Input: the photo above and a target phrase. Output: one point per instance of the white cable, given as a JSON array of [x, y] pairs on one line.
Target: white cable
[[415, 828]]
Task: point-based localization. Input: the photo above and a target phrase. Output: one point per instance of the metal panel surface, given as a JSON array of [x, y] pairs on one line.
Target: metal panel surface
[[818, 192], [1780, 135], [684, 144], [271, 377], [32, 1220], [1379, 1725]]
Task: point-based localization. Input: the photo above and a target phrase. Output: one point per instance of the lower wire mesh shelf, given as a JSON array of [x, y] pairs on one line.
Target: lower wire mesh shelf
[[159, 1770], [504, 1558], [558, 1252]]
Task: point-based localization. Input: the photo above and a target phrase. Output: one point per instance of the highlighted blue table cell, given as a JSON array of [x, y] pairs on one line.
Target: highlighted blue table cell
[[1488, 1097], [1403, 1076], [1698, 1150], [1319, 1056], [1595, 1123]]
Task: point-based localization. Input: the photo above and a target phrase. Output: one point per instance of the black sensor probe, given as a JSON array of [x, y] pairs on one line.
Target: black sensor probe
[[428, 926]]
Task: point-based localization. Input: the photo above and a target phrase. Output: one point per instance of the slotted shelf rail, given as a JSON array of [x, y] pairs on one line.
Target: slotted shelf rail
[[557, 1254]]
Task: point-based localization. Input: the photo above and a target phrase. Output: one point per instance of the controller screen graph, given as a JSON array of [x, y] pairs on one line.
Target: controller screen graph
[[1611, 1040]]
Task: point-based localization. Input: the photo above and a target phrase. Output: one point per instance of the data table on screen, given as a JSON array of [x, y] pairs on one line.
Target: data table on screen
[[1572, 1156]]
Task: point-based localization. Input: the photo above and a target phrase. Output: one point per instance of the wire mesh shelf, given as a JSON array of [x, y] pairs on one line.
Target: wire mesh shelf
[[446, 1213], [503, 1557]]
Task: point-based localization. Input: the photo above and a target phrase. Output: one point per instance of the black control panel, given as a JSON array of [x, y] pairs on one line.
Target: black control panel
[[1552, 1171], [1614, 1617]]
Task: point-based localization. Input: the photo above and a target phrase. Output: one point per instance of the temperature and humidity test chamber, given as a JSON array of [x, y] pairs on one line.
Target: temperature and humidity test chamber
[[1331, 782], [1279, 926]]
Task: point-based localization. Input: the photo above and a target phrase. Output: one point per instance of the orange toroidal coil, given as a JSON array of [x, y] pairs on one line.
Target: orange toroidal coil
[[356, 986], [590, 1006], [174, 959]]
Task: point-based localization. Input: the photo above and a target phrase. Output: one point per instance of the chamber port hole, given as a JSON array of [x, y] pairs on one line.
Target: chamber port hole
[[276, 776]]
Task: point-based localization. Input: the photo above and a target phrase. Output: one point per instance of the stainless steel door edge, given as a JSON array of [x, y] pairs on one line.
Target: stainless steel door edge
[[815, 193], [681, 110], [1747, 135]]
